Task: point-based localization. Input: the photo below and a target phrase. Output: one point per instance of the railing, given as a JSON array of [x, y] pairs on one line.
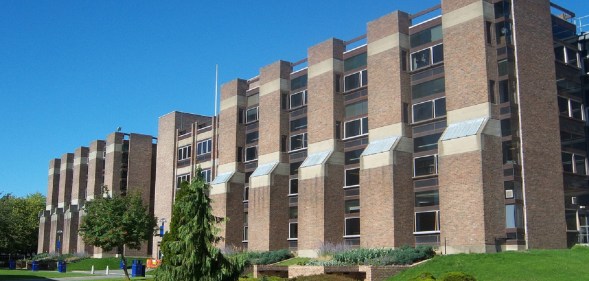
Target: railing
[[582, 23]]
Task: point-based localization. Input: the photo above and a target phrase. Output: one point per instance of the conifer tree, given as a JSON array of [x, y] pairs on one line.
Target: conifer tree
[[188, 249]]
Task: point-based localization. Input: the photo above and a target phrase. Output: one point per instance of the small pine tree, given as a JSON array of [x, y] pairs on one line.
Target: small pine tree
[[188, 249]]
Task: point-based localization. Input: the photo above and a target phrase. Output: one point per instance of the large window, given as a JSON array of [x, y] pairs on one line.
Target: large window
[[298, 142], [427, 198], [206, 175], [357, 127], [355, 62], [293, 231], [426, 143], [184, 152], [352, 177], [574, 163], [426, 165], [427, 222], [428, 88], [298, 99], [426, 57], [251, 153], [251, 115], [426, 36], [252, 137], [182, 178], [429, 110], [356, 109], [293, 187], [203, 147], [352, 206], [299, 82], [571, 108], [513, 216], [352, 227], [356, 80], [298, 124], [353, 157]]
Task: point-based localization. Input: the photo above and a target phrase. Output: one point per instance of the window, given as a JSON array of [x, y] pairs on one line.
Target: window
[[506, 127], [294, 168], [355, 80], [184, 152], [253, 100], [427, 222], [355, 62], [299, 82], [246, 194], [352, 206], [508, 152], [293, 212], [503, 67], [252, 137], [571, 108], [567, 55], [358, 127], [572, 141], [298, 142], [426, 57], [293, 187], [426, 36], [352, 227], [426, 143], [203, 147], [244, 233], [513, 216], [574, 163], [504, 91], [571, 219], [298, 124], [356, 109], [251, 153], [182, 178], [293, 231], [353, 157], [428, 88], [352, 177], [426, 165], [206, 175], [427, 198], [251, 115], [298, 99], [429, 110], [503, 32]]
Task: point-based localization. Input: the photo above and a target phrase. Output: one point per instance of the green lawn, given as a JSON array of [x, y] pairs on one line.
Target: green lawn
[[6, 274], [101, 263], [536, 265], [293, 261]]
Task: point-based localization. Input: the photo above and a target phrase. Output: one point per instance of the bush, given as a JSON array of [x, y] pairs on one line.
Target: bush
[[266, 257], [403, 255], [324, 277], [580, 247], [457, 276], [425, 276]]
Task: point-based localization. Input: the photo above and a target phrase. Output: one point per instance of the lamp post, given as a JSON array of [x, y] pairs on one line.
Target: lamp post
[[59, 232]]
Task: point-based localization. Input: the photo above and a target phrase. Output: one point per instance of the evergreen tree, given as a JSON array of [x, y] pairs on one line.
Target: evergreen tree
[[188, 249]]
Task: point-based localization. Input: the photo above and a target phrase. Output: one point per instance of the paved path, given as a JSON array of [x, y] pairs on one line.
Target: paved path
[[99, 274]]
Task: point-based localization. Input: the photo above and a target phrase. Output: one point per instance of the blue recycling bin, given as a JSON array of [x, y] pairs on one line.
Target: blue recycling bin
[[35, 266], [11, 264], [137, 269], [61, 267], [121, 265]]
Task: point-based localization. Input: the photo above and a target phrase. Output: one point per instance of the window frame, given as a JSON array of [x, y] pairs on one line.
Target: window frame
[[245, 160], [346, 186], [361, 128], [290, 187], [434, 116], [305, 142], [182, 178], [570, 108], [345, 227], [185, 152], [437, 220], [290, 238], [202, 146], [361, 79], [304, 99], [206, 175], [435, 165], [574, 163], [245, 235], [246, 119], [431, 57]]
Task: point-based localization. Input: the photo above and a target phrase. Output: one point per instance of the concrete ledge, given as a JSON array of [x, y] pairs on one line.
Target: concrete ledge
[[361, 272]]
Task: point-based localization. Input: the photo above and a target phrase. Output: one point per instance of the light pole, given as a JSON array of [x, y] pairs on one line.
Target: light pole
[[59, 232]]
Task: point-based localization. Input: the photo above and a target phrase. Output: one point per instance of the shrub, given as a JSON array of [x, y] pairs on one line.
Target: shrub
[[580, 247], [425, 276], [328, 249], [457, 276], [403, 255], [266, 257], [324, 277]]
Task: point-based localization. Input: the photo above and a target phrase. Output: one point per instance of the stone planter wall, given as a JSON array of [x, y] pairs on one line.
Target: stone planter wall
[[367, 273]]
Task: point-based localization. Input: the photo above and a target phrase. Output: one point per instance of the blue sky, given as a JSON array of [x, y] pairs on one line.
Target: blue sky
[[73, 71]]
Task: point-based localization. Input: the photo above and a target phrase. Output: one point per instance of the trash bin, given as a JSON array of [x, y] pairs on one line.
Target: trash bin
[[61, 266], [121, 265], [35, 266], [137, 269], [134, 269], [11, 264]]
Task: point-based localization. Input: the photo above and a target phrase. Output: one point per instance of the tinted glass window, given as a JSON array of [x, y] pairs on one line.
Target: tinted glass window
[[428, 88], [504, 91], [426, 36], [427, 198], [440, 105], [563, 106], [298, 82], [357, 109], [352, 177], [294, 186], [426, 221], [298, 124], [353, 128], [293, 212], [298, 141], [251, 153], [580, 165], [251, 115], [438, 53], [352, 81], [353, 157], [293, 231], [251, 137], [423, 111], [420, 59], [559, 53], [352, 226], [297, 99], [355, 62], [294, 168], [576, 110], [425, 143], [425, 166], [352, 206], [567, 162]]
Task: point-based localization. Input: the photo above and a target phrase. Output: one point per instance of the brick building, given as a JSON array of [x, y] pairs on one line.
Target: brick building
[[123, 163]]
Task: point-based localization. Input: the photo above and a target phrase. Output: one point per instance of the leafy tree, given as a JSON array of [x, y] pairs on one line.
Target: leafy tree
[[19, 223], [117, 222], [189, 251]]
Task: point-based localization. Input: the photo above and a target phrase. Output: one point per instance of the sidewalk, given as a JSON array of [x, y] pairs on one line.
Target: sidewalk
[[98, 274]]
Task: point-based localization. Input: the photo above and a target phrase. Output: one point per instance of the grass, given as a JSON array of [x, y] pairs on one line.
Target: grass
[[6, 274], [535, 265], [101, 263], [293, 261]]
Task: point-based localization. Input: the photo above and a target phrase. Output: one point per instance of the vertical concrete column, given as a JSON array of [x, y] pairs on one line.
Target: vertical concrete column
[[472, 208], [65, 180], [44, 242], [140, 178], [56, 232], [227, 187], [95, 169], [386, 189], [112, 163], [321, 176], [539, 125], [72, 216], [268, 202], [44, 232]]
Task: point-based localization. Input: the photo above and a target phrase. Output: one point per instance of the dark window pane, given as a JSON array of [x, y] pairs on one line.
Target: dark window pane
[[352, 177], [559, 53], [293, 231], [423, 111], [571, 219], [576, 110], [425, 143], [353, 157], [567, 162], [420, 59], [352, 128], [298, 124], [298, 141], [364, 77], [428, 88], [426, 221], [352, 206], [506, 127], [293, 212], [297, 99], [426, 36], [425, 166], [440, 105], [503, 67], [251, 115], [507, 152], [251, 153], [356, 109], [563, 106], [352, 81], [571, 57], [298, 82], [438, 53], [427, 198], [294, 168], [365, 125], [251, 137], [580, 165], [504, 91], [294, 186], [352, 226], [354, 62]]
